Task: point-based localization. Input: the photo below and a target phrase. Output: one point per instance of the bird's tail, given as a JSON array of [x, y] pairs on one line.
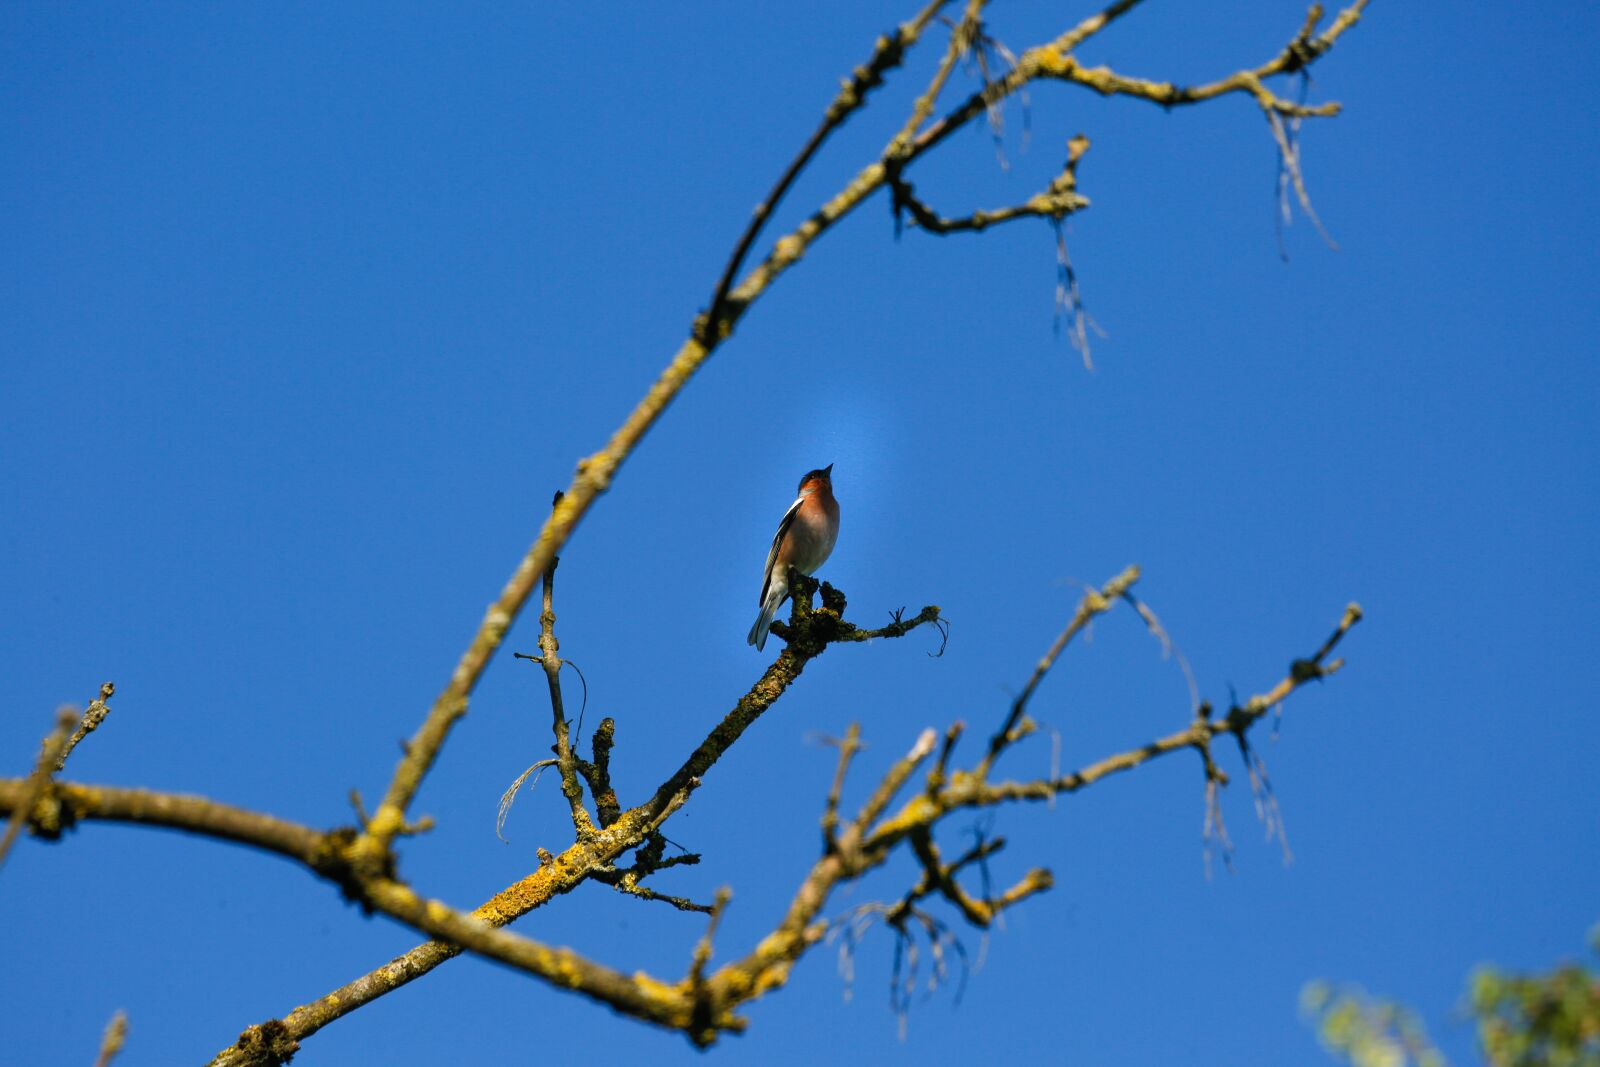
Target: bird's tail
[[758, 632]]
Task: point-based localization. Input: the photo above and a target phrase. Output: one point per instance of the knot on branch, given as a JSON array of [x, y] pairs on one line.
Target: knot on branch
[[887, 54], [1305, 48], [812, 629], [1305, 670], [267, 1044], [1058, 200], [352, 861], [49, 817]]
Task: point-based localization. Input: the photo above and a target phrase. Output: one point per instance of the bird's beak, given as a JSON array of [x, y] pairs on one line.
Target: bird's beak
[[828, 470]]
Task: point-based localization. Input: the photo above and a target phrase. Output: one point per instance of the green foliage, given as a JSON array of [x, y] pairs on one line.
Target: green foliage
[[1548, 1020], [1367, 1032], [1540, 1020]]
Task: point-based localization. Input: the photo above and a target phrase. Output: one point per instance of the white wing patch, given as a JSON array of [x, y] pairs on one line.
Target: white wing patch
[[777, 539]]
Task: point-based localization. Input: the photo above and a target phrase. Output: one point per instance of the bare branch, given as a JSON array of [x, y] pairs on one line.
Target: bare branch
[[1238, 720], [1093, 603], [941, 767], [595, 472], [980, 913], [809, 632], [849, 745], [962, 36], [1056, 202], [887, 789], [550, 660], [860, 850], [66, 804], [52, 752], [116, 1034], [807, 635], [598, 773], [362, 860], [93, 716], [626, 882], [887, 54], [1302, 50]]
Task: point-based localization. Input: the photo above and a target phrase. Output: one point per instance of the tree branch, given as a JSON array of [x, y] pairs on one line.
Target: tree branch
[[116, 1034], [809, 632], [864, 847], [849, 745], [29, 790], [1093, 603], [550, 660], [887, 53], [595, 472], [598, 773], [93, 716], [362, 861]]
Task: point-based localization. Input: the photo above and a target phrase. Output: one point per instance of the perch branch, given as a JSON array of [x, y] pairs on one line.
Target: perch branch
[[808, 633]]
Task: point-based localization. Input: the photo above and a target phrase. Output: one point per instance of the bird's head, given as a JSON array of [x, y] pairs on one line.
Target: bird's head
[[821, 478]]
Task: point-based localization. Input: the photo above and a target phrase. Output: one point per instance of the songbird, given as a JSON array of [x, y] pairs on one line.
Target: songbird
[[804, 541]]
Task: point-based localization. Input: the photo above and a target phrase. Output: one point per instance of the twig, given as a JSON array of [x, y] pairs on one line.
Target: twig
[[940, 877], [34, 786], [116, 1036], [936, 777], [93, 716], [962, 35], [629, 882], [1058, 200], [1238, 719], [887, 54], [849, 745], [1094, 602], [768, 966], [807, 634], [896, 777], [1302, 50], [598, 774], [550, 660], [702, 950]]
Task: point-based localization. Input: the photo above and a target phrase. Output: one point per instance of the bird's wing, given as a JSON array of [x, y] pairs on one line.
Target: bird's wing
[[777, 539]]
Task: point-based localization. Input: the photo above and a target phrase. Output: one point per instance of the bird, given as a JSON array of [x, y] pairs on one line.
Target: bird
[[804, 541]]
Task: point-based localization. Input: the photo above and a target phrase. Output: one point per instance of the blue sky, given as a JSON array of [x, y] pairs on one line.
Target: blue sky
[[306, 310]]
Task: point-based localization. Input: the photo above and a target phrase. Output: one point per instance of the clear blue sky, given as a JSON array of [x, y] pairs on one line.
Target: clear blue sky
[[306, 310]]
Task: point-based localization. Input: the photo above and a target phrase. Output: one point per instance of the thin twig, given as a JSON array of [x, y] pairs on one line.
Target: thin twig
[[598, 774], [550, 660], [887, 54], [50, 752], [849, 745], [1094, 602], [93, 716], [116, 1036]]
